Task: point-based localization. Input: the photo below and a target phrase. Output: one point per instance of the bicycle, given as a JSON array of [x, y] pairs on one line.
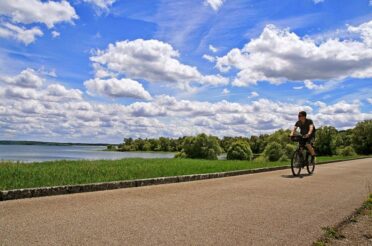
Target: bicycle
[[301, 157]]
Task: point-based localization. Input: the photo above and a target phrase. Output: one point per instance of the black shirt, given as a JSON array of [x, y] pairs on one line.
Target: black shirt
[[305, 127]]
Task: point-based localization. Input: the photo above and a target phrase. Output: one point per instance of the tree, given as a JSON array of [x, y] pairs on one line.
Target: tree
[[326, 140], [273, 151], [362, 137], [202, 146], [239, 150]]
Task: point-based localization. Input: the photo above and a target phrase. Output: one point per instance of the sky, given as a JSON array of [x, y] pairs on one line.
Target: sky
[[101, 70]]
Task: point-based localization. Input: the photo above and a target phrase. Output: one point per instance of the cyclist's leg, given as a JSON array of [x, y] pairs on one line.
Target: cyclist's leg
[[310, 147]]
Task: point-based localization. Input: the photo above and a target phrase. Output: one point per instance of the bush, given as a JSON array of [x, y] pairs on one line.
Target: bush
[[326, 140], [347, 151], [239, 150], [283, 158], [362, 137], [180, 155], [202, 146], [289, 150], [273, 151]]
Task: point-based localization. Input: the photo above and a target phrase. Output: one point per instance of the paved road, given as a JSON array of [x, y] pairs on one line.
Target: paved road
[[260, 209]]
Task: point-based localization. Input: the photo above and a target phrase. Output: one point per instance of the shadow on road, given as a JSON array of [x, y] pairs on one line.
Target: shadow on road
[[289, 176]]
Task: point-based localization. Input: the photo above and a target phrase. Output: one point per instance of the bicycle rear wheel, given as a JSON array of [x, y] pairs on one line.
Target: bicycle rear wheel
[[310, 164], [296, 163]]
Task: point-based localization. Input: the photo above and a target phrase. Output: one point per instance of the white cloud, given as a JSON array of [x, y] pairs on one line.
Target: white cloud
[[102, 4], [212, 48], [253, 94], [311, 86], [55, 34], [369, 100], [318, 1], [36, 11], [225, 91], [288, 54], [26, 36], [214, 4], [117, 88], [28, 78], [52, 111], [209, 58], [364, 30], [55, 92], [298, 87], [151, 60]]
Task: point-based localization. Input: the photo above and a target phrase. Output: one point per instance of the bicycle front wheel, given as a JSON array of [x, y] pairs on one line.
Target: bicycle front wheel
[[311, 164], [296, 163]]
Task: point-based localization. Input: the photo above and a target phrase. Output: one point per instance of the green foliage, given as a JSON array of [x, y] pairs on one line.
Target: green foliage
[[258, 143], [283, 158], [273, 151], [226, 142], [281, 136], [289, 150], [202, 147], [239, 150], [346, 151], [180, 155], [111, 147], [362, 137], [326, 140]]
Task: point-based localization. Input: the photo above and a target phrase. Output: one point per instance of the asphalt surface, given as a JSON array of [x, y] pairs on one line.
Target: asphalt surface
[[260, 209]]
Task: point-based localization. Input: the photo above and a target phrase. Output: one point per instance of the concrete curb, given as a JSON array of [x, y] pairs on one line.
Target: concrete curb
[[70, 189]]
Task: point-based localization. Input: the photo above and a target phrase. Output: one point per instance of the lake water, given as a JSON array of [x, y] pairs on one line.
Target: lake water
[[31, 153]]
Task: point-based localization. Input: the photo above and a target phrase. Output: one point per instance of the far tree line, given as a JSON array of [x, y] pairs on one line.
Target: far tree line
[[273, 147]]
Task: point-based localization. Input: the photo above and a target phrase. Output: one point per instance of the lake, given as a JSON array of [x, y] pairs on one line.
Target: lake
[[31, 153]]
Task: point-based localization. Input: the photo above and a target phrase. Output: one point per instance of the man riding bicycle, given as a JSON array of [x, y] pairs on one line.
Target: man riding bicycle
[[307, 130]]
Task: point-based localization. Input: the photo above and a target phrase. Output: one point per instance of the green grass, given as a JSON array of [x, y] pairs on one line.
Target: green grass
[[19, 175]]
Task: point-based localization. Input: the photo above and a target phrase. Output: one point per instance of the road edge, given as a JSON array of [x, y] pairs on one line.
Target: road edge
[[70, 189]]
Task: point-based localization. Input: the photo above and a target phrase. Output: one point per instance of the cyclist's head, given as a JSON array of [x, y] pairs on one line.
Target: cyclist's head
[[302, 115]]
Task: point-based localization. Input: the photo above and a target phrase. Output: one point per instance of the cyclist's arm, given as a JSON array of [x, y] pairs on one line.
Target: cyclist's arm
[[311, 129], [293, 130]]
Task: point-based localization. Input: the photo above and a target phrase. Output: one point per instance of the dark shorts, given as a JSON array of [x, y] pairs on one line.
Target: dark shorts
[[309, 140]]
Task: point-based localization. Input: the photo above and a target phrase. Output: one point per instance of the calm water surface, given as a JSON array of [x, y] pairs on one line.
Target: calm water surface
[[31, 153]]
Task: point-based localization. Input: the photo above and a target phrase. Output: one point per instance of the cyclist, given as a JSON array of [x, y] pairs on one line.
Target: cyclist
[[307, 130]]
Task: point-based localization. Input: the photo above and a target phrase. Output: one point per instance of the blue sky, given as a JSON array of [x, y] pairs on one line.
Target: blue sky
[[101, 70]]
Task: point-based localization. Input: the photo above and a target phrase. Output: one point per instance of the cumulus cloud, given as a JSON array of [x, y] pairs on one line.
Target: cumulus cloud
[[209, 58], [55, 34], [225, 91], [253, 94], [214, 4], [151, 60], [27, 78], [54, 92], [102, 4], [212, 48], [36, 11], [79, 119], [21, 34], [117, 88], [279, 55]]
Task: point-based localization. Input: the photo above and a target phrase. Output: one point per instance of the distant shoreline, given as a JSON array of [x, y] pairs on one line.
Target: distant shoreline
[[12, 142]]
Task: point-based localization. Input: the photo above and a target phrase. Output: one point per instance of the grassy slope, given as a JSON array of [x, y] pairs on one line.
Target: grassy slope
[[14, 176]]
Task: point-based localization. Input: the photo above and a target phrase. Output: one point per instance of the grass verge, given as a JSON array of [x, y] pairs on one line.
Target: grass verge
[[335, 233], [55, 173]]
